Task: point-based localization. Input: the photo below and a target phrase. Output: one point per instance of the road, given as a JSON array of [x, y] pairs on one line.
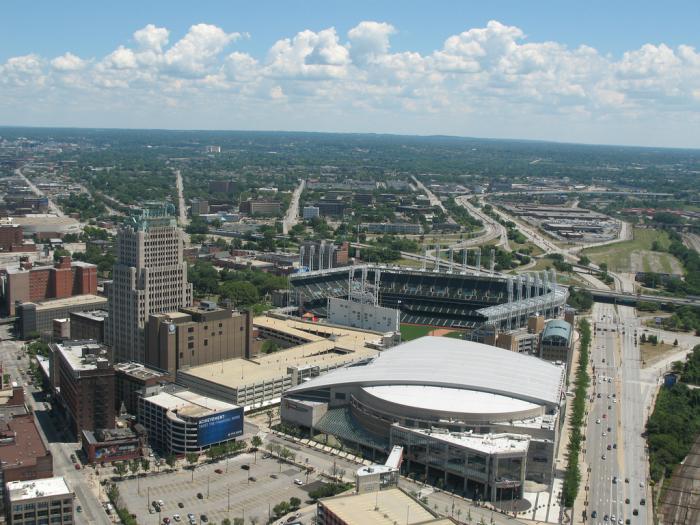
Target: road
[[493, 228], [292, 215], [692, 240], [52, 206], [621, 412], [181, 208], [434, 201], [83, 482]]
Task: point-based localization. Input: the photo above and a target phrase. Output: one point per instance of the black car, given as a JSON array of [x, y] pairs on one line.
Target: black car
[[203, 518], [594, 514], [181, 505], [635, 512], [199, 495], [643, 501], [245, 467]]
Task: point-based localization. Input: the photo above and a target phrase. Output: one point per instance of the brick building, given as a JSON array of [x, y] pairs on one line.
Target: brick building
[[12, 239], [23, 453], [66, 278], [82, 376]]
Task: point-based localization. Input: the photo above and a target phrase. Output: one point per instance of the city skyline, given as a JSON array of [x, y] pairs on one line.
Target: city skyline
[[499, 72]]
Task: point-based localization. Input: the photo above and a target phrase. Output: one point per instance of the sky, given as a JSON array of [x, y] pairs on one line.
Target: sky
[[622, 72]]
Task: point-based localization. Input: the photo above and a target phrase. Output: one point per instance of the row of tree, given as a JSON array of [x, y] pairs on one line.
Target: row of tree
[[572, 477]]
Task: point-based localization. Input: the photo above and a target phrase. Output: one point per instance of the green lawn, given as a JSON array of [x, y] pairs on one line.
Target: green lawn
[[409, 331], [618, 256]]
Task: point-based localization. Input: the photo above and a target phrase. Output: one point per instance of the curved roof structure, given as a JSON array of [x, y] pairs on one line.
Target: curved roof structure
[[455, 400], [453, 363], [557, 328]]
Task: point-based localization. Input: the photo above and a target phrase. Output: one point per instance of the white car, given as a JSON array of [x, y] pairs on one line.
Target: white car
[[161, 503], [298, 482], [641, 484], [597, 421], [176, 517]]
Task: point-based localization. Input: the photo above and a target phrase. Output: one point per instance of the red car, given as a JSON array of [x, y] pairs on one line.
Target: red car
[[219, 471], [166, 520], [77, 466]]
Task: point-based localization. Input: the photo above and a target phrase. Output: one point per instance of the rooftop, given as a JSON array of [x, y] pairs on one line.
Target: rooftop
[[557, 328], [139, 371], [386, 507], [83, 356], [341, 345], [454, 400], [94, 315], [89, 300], [25, 451], [38, 488], [484, 443], [187, 403], [453, 363]]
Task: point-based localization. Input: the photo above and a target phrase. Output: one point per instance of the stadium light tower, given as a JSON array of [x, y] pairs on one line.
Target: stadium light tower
[[478, 260]]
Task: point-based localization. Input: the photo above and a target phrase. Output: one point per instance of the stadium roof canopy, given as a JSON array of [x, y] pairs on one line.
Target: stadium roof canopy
[[452, 363]]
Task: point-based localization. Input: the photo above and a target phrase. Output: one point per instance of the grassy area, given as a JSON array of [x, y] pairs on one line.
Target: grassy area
[[409, 263], [410, 332], [654, 353], [457, 334], [619, 256]]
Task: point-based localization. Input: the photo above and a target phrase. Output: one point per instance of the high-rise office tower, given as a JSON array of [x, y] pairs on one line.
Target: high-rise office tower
[[150, 276]]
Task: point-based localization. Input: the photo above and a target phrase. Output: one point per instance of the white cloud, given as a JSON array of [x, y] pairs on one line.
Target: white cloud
[[68, 62], [369, 39], [309, 55], [479, 76], [198, 48], [152, 37]]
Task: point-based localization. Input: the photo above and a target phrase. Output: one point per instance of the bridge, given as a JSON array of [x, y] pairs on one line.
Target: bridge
[[631, 299]]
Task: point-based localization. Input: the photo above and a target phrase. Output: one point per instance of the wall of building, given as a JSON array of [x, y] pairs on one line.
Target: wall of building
[[364, 316]]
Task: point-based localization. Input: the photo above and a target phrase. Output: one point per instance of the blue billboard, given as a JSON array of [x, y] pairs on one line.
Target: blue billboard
[[221, 426]]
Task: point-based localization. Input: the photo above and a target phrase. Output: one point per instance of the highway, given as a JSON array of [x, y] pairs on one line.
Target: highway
[[617, 411], [292, 215], [493, 228]]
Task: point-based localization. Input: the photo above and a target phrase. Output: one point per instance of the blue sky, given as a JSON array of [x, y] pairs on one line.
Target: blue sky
[[612, 72]]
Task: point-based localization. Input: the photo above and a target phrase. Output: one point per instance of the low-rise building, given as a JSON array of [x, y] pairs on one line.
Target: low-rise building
[[40, 501], [131, 379], [555, 343], [37, 318], [259, 207], [65, 279], [24, 455], [392, 227], [310, 212], [179, 421], [115, 444], [376, 508], [88, 325], [83, 379]]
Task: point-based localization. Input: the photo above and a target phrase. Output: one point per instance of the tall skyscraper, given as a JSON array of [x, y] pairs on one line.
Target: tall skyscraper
[[150, 276]]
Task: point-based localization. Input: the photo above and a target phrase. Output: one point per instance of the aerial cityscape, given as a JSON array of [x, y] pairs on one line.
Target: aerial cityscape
[[369, 316]]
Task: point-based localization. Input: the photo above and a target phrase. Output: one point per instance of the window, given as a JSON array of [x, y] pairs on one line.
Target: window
[[190, 329], [190, 346], [206, 342]]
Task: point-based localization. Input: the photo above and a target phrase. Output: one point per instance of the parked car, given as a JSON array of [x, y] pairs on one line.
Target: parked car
[[176, 517], [203, 518], [298, 482], [245, 467], [199, 495], [218, 471], [181, 505]]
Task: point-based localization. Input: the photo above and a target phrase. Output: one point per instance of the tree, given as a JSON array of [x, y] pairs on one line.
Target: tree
[[191, 458], [281, 509], [145, 464], [584, 260], [270, 347], [171, 460], [236, 521], [134, 465], [241, 293], [121, 468], [255, 443], [294, 502], [225, 521]]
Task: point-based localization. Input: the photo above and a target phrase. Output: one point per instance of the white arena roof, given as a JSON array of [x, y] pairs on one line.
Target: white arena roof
[[442, 399], [453, 363]]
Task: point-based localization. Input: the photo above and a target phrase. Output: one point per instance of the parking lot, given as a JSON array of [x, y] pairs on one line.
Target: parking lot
[[227, 495]]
